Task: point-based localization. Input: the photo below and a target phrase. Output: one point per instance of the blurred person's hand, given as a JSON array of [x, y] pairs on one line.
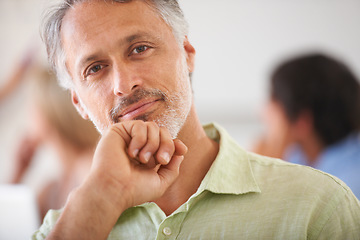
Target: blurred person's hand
[[23, 157], [20, 69], [277, 136]]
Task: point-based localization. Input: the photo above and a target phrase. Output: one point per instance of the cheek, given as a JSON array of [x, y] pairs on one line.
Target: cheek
[[274, 118], [97, 100], [160, 71]]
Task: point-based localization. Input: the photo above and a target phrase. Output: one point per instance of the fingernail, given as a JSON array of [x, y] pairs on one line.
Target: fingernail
[[147, 156], [166, 157], [135, 152]]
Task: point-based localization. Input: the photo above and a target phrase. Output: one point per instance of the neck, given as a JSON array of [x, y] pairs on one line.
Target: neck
[[312, 148], [202, 151]]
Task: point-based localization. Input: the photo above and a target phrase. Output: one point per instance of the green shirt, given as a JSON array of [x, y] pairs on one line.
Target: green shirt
[[247, 196]]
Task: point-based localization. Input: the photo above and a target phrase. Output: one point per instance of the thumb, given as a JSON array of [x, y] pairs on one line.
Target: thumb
[[168, 173]]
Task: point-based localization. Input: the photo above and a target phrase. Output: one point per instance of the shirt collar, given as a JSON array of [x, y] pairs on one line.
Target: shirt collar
[[231, 171]]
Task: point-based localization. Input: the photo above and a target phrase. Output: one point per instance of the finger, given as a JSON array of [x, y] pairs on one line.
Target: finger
[[180, 148], [138, 134], [152, 143], [111, 144], [168, 173], [167, 147]]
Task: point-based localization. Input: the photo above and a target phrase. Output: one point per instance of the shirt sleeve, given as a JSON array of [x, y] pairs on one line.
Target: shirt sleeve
[[49, 222], [343, 221]]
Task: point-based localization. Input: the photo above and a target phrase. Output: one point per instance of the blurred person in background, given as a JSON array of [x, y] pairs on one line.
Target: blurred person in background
[[17, 76], [54, 121], [313, 117]]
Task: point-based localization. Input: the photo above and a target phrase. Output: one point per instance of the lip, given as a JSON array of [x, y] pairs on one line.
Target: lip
[[137, 109]]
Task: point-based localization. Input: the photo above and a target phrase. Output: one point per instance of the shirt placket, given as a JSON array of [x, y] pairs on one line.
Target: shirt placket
[[171, 226]]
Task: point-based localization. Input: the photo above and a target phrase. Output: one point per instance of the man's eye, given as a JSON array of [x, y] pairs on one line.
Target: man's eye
[[94, 69], [140, 49]]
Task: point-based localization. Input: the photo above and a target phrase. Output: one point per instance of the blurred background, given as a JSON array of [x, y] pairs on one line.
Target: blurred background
[[238, 43]]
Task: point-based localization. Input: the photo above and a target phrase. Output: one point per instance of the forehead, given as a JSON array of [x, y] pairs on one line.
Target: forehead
[[88, 15], [94, 9], [91, 20]]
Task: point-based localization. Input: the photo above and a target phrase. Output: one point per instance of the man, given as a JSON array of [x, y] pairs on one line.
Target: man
[[314, 110], [130, 61]]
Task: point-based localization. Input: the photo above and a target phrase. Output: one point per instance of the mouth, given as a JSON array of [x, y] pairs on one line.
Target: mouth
[[137, 109]]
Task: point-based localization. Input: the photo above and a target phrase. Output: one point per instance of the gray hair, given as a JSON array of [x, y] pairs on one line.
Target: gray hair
[[169, 10]]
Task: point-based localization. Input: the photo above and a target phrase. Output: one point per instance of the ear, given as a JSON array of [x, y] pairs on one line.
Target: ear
[[78, 105], [190, 54]]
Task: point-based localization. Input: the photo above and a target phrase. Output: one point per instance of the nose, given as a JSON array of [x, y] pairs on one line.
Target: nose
[[125, 81]]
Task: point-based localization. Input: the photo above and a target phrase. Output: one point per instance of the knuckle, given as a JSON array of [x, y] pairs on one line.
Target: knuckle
[[165, 134], [153, 125]]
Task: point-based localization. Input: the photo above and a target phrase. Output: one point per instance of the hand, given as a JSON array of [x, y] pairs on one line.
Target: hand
[[278, 135], [23, 157], [139, 158], [18, 74], [135, 162]]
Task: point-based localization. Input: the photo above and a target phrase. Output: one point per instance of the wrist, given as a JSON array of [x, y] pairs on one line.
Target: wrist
[[106, 192], [90, 212]]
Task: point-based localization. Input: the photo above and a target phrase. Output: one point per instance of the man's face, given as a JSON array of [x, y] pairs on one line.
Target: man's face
[[126, 64]]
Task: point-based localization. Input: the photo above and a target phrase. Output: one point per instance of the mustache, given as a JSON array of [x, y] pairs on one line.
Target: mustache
[[138, 95]]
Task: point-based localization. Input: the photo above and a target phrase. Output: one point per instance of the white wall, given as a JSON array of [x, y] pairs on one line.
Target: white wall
[[238, 42]]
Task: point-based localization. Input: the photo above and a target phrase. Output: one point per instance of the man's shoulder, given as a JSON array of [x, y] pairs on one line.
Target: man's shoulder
[[275, 174], [274, 171]]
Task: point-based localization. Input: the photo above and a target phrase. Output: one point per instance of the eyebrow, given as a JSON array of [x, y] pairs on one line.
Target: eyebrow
[[139, 34], [126, 40]]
